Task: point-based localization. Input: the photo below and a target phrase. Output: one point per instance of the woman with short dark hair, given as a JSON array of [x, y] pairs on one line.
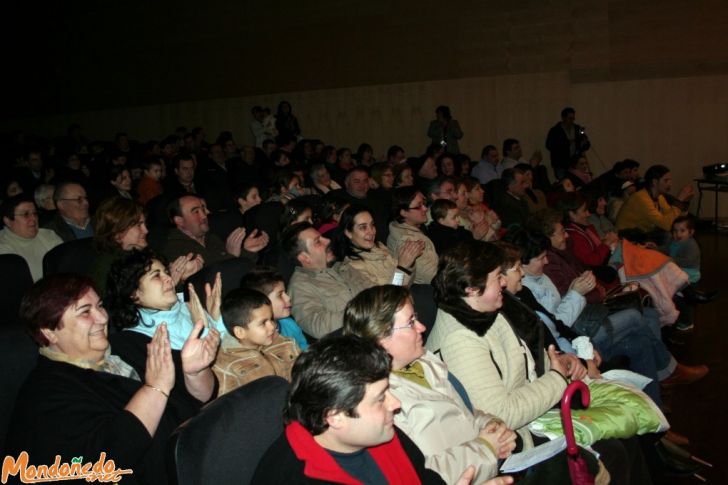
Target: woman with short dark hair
[[82, 400]]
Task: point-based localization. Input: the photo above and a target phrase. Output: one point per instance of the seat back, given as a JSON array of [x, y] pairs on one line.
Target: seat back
[[15, 281], [224, 443], [75, 256], [18, 354]]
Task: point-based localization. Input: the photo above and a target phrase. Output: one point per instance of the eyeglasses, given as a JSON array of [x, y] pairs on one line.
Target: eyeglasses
[[78, 200], [26, 214], [411, 324], [417, 207]]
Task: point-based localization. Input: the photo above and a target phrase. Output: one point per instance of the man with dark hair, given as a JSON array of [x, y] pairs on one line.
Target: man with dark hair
[[72, 220], [565, 140], [340, 422], [22, 236], [183, 180], [395, 155], [356, 191], [487, 168], [192, 234], [512, 206], [318, 293]]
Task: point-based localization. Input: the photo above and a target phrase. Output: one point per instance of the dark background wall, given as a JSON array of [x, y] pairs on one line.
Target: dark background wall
[[97, 54]]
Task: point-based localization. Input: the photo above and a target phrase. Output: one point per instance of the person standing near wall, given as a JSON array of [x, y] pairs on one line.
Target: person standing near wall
[[445, 131]]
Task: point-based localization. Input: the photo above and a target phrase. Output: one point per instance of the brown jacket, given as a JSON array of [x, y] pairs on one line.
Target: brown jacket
[[237, 364]]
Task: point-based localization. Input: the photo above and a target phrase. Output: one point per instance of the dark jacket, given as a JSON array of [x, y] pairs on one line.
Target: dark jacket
[[69, 411], [559, 147], [444, 237], [58, 225], [511, 210]]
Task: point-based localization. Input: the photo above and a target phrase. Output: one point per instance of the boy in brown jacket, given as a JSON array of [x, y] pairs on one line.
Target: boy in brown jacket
[[252, 348]]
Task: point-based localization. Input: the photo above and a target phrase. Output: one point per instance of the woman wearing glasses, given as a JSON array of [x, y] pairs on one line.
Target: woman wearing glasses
[[436, 413], [22, 236], [410, 215]]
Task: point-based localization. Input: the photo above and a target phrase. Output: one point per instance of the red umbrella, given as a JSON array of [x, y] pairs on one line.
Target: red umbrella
[[578, 469]]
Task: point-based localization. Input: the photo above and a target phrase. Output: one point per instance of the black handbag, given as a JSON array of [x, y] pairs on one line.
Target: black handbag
[[624, 297]]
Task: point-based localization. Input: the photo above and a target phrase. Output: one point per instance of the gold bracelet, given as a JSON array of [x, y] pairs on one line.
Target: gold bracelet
[[158, 390]]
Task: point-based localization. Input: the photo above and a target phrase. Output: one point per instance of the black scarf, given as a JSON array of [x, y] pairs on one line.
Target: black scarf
[[474, 320]]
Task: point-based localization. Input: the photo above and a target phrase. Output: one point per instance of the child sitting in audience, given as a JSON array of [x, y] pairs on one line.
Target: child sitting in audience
[[445, 229], [683, 249], [252, 348], [272, 284]]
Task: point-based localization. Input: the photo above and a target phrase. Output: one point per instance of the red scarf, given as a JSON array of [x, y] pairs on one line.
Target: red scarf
[[390, 457]]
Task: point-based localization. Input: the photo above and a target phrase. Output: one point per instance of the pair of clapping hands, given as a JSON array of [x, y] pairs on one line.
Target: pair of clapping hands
[[197, 353]]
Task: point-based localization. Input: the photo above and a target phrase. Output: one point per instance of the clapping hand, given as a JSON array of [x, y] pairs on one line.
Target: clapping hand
[[159, 371], [214, 297], [198, 353]]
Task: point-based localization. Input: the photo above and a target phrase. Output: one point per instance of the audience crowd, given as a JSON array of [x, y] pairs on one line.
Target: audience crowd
[[469, 293]]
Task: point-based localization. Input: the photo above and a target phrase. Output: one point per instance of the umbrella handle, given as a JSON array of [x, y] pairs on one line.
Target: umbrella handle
[[571, 447]]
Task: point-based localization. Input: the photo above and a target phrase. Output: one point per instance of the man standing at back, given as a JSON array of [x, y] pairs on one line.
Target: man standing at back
[[565, 140]]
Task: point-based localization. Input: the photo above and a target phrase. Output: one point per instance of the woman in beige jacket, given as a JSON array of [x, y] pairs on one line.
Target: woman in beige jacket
[[434, 414], [410, 215], [366, 262], [480, 347]]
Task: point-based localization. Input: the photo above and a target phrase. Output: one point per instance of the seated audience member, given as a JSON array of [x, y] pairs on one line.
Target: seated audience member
[[558, 191], [297, 210], [395, 155], [585, 245], [120, 183], [446, 166], [11, 188], [286, 187], [684, 249], [649, 210], [340, 422], [482, 350], [356, 191], [86, 398], [475, 210], [403, 176], [579, 172], [140, 297], [271, 283], [618, 197], [367, 262], [445, 230], [43, 197], [150, 186], [72, 220], [321, 179], [381, 179], [487, 168], [535, 198], [365, 155], [512, 207], [252, 347], [192, 234], [434, 413], [182, 179], [410, 215], [463, 161], [120, 226], [31, 173], [441, 188], [499, 373], [329, 213], [615, 333], [611, 181], [532, 322], [424, 170], [318, 292], [598, 217], [22, 236]]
